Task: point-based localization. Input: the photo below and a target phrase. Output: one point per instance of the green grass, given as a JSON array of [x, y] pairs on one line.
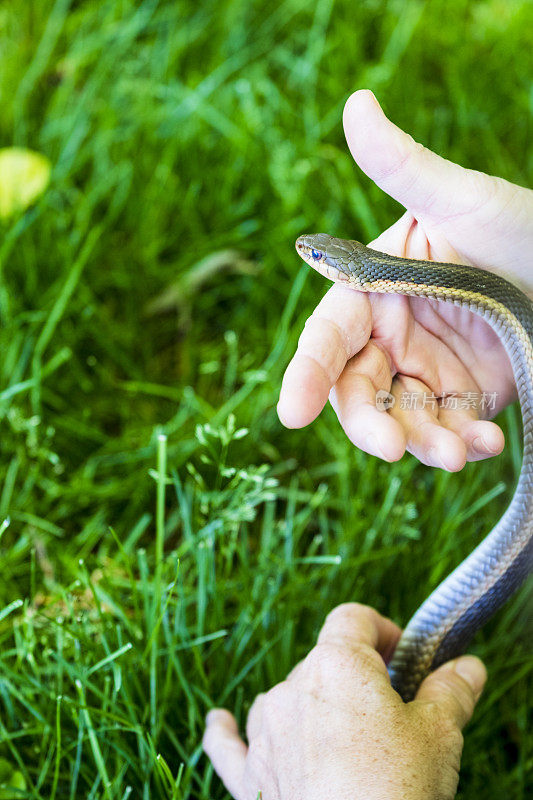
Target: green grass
[[135, 594]]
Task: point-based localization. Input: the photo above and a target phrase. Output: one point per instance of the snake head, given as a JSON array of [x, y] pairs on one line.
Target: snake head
[[331, 257]]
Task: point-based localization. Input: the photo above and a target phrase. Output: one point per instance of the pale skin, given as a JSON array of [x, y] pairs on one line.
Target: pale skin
[[355, 344], [335, 728]]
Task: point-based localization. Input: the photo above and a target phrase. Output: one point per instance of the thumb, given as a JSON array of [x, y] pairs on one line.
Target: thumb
[[455, 688], [416, 177]]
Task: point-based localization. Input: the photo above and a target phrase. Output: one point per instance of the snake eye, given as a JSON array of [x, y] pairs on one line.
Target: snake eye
[[316, 254]]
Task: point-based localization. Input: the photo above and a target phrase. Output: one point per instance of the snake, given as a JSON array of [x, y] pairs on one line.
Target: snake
[[443, 626]]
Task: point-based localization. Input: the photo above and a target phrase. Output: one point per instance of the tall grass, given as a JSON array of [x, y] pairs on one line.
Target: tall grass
[[169, 545]]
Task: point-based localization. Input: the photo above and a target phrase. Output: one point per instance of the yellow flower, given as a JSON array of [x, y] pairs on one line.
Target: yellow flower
[[24, 176]]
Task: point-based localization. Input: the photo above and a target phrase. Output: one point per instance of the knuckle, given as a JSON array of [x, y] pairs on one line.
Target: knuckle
[[324, 351], [447, 730], [325, 655], [330, 659], [407, 149], [325, 665], [451, 714], [254, 715], [347, 612], [257, 751], [278, 718], [351, 330], [338, 334], [466, 702], [372, 361], [257, 703], [350, 620], [454, 739], [368, 659], [462, 695], [276, 702], [383, 366], [330, 664]]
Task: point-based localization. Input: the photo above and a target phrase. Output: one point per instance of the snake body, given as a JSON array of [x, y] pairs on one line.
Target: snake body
[[444, 624]]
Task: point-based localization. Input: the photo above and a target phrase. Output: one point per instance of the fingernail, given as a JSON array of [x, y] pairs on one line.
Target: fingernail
[[434, 458], [480, 446], [473, 672], [372, 444]]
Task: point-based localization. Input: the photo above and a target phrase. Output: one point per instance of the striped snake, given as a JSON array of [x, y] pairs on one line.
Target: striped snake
[[444, 624]]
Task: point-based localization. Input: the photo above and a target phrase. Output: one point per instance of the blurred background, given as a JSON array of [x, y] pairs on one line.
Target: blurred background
[[153, 288]]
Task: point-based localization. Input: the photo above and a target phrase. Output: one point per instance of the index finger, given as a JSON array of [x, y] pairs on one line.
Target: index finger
[[353, 624], [338, 328]]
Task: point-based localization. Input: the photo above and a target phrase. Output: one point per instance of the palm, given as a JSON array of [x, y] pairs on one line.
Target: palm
[[355, 345], [451, 344], [448, 349]]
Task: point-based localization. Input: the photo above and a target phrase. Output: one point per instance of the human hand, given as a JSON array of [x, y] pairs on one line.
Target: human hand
[[355, 344], [335, 728]]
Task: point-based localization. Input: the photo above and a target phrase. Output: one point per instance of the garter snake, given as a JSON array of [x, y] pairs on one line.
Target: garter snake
[[444, 624]]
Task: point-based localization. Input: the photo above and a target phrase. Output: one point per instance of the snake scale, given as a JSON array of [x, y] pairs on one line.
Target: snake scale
[[445, 623]]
